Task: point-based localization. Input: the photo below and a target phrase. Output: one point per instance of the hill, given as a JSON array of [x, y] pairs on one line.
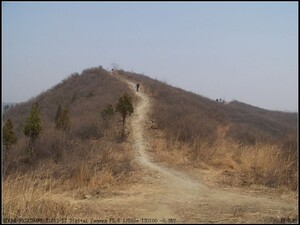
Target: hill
[[221, 145], [88, 158], [6, 106], [246, 143], [197, 116], [86, 94]]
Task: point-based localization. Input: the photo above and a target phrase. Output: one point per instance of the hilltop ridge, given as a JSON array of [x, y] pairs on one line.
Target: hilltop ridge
[[261, 123]]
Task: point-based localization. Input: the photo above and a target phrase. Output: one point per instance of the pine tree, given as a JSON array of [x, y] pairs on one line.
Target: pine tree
[[63, 121], [125, 108], [9, 137], [33, 125]]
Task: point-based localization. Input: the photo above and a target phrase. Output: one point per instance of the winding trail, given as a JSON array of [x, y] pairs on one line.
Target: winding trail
[[188, 201]]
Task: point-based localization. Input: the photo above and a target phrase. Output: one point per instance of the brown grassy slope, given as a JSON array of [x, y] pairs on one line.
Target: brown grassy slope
[[269, 125], [258, 146], [87, 160], [188, 114], [86, 95]]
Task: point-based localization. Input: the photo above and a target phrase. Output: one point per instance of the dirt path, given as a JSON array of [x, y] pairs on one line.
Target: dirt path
[[165, 195], [177, 196]]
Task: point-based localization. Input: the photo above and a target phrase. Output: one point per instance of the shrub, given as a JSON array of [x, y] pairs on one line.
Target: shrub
[[63, 121], [108, 112], [33, 125], [125, 108], [9, 136]]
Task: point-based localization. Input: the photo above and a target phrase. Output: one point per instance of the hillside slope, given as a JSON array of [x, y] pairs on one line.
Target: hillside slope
[[87, 159], [175, 103], [246, 143], [170, 195], [86, 94], [180, 150]]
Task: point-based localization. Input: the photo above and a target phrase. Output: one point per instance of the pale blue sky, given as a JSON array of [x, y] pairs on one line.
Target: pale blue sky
[[243, 51]]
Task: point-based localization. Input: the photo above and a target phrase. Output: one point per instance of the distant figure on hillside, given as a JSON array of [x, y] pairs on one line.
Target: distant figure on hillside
[[137, 86], [112, 71]]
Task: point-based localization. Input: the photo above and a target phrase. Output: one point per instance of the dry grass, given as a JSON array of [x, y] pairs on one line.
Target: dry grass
[[251, 145], [268, 165], [40, 192], [242, 165], [89, 159], [31, 196], [86, 94], [190, 116], [86, 161]]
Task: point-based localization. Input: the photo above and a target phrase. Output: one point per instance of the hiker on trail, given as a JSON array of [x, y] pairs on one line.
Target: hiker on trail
[[137, 86]]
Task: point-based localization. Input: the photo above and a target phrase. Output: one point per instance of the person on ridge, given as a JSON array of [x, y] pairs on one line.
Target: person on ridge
[[137, 86]]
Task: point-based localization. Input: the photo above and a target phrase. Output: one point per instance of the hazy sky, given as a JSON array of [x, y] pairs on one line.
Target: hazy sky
[[243, 51]]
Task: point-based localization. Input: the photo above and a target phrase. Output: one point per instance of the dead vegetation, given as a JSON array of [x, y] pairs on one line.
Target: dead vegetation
[[102, 168], [84, 161], [90, 162], [249, 145]]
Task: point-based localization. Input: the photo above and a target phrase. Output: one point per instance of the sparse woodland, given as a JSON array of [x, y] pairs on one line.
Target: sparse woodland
[[75, 133], [68, 138]]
